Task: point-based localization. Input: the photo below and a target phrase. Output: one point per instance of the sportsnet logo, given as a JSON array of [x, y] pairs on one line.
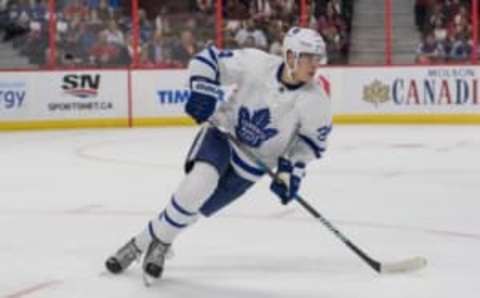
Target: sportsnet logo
[[81, 85], [85, 87]]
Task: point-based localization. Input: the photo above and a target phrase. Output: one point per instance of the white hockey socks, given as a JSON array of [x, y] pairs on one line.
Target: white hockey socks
[[182, 209]]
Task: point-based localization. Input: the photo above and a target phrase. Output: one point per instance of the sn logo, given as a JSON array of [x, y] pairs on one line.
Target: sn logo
[[81, 85]]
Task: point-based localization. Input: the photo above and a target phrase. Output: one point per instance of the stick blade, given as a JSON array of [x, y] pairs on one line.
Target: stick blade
[[408, 265]]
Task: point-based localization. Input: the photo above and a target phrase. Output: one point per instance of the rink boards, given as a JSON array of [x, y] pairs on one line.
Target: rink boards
[[150, 97]]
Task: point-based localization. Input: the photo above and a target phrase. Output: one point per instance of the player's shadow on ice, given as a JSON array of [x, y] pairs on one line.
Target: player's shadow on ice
[[189, 288], [244, 266]]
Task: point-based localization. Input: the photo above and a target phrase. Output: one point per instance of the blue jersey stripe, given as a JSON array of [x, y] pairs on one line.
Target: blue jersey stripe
[[169, 220], [245, 166], [212, 55], [317, 150], [208, 63], [150, 230], [181, 209]]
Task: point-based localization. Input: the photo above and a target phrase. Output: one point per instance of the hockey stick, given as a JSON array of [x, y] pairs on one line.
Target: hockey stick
[[406, 265]]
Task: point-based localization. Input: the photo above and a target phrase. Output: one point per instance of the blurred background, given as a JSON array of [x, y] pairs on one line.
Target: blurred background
[[166, 33]]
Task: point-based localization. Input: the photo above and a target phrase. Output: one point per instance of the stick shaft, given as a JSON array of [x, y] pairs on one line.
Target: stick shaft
[[371, 262]]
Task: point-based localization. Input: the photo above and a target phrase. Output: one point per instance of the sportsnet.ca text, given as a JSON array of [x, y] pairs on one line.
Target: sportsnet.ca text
[[84, 88], [80, 106]]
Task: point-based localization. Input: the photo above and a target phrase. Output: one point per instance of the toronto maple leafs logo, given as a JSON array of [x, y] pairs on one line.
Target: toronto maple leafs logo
[[252, 128]]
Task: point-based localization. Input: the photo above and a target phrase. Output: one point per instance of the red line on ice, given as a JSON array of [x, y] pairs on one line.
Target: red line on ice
[[24, 292]]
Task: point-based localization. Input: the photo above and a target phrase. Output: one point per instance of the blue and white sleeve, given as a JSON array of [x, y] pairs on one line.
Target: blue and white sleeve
[[222, 67], [310, 145], [204, 65], [311, 140]]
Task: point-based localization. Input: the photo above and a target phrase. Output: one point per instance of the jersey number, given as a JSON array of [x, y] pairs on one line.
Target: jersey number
[[323, 132]]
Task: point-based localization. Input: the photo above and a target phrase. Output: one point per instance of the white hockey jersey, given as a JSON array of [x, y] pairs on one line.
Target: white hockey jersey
[[270, 118]]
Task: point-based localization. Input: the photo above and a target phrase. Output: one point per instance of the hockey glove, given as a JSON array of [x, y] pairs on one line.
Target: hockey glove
[[289, 178], [204, 94]]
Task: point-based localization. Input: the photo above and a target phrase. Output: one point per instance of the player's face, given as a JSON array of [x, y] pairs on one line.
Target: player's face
[[307, 64]]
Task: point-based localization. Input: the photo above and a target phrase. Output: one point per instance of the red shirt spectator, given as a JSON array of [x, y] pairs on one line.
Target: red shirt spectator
[[75, 8], [331, 19], [103, 52]]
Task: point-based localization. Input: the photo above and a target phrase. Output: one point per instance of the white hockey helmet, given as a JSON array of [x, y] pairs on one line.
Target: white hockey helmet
[[303, 40]]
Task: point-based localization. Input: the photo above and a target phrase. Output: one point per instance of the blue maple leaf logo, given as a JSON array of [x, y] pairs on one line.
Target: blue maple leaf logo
[[252, 129]]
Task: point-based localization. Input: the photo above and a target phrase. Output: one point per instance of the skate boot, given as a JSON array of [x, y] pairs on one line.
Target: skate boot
[[123, 257], [154, 260]]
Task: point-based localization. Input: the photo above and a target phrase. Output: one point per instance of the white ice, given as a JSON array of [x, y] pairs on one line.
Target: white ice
[[68, 199]]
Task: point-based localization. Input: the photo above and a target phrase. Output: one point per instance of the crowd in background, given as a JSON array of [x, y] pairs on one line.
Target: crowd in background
[[88, 32], [263, 23], [251, 23], [333, 20], [446, 30], [99, 32]]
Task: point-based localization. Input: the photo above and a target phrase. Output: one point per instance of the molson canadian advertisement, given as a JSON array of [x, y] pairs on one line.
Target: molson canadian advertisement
[[425, 90]]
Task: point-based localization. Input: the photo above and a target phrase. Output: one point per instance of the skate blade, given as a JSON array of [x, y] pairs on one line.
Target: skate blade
[[148, 281], [170, 254]]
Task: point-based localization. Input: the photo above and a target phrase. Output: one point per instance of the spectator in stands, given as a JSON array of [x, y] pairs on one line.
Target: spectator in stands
[[94, 22], [333, 27], [104, 11], [319, 8], [114, 4], [17, 22], [92, 4], [460, 21], [190, 24], [229, 41], [461, 49], [336, 6], [146, 27], [162, 21], [4, 14], [249, 30], [436, 14], [35, 43], [288, 6], [39, 10], [277, 32], [145, 60], [205, 6], [34, 39], [75, 8], [104, 53], [70, 43], [430, 50], [184, 51], [420, 10], [331, 19], [87, 39], [130, 47], [249, 42], [449, 22], [236, 9], [451, 8], [261, 10], [336, 45], [158, 49], [114, 35], [440, 31]]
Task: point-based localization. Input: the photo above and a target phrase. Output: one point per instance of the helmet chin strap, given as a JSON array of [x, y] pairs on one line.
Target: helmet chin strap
[[290, 70]]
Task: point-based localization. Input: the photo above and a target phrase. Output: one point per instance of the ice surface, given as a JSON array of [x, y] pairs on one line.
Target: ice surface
[[70, 198]]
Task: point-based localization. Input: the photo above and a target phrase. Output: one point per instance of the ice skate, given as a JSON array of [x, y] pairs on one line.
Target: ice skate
[[154, 261], [123, 258]]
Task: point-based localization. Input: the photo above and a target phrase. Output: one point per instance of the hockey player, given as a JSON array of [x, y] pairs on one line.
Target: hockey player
[[277, 112]]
